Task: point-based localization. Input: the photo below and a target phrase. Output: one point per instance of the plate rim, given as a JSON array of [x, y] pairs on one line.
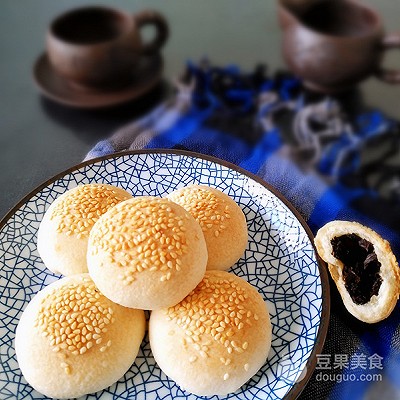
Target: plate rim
[[298, 387]]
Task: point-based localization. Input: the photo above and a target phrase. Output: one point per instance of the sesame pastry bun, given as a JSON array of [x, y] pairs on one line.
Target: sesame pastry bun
[[64, 231], [147, 253], [221, 219], [363, 268], [214, 340], [71, 340]]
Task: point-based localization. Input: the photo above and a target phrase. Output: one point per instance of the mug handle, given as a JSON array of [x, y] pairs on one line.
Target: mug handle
[[150, 17], [391, 41]]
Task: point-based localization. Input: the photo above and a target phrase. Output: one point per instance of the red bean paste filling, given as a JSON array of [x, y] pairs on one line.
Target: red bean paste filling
[[360, 266]]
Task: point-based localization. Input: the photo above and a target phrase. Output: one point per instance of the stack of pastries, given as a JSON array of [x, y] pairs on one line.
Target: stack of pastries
[[209, 330]]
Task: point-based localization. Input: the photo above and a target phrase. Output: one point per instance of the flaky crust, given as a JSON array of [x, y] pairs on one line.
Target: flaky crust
[[381, 305]]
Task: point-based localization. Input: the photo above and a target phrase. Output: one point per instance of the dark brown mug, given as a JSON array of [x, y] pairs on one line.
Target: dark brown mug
[[98, 46], [334, 44]]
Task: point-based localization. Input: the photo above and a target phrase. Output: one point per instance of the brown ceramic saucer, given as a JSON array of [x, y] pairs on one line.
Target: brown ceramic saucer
[[52, 85]]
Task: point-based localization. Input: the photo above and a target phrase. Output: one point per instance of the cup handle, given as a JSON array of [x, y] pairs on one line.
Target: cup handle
[[150, 17], [391, 41]]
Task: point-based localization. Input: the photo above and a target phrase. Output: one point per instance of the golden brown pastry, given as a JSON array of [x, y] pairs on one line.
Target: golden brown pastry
[[71, 340], [363, 267], [64, 231], [221, 219], [147, 253], [214, 340]]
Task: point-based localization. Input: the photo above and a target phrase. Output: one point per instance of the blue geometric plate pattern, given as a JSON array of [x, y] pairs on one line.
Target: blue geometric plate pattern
[[279, 261]]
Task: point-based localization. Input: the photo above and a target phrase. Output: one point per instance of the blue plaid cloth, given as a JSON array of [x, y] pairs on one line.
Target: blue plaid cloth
[[318, 163]]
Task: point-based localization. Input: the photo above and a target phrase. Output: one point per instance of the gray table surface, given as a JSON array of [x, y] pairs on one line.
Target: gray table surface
[[39, 138]]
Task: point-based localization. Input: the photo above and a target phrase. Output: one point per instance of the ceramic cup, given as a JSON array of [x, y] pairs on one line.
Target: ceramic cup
[[334, 44], [99, 46]]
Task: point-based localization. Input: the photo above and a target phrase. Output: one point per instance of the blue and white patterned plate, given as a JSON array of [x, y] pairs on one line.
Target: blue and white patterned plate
[[280, 262]]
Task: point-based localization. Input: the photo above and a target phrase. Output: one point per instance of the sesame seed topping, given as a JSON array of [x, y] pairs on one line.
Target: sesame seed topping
[[72, 330], [141, 234], [203, 354], [201, 315], [246, 367], [205, 206], [78, 211], [226, 377]]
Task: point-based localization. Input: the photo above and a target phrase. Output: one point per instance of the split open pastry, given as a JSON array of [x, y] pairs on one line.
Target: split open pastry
[[363, 268]]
